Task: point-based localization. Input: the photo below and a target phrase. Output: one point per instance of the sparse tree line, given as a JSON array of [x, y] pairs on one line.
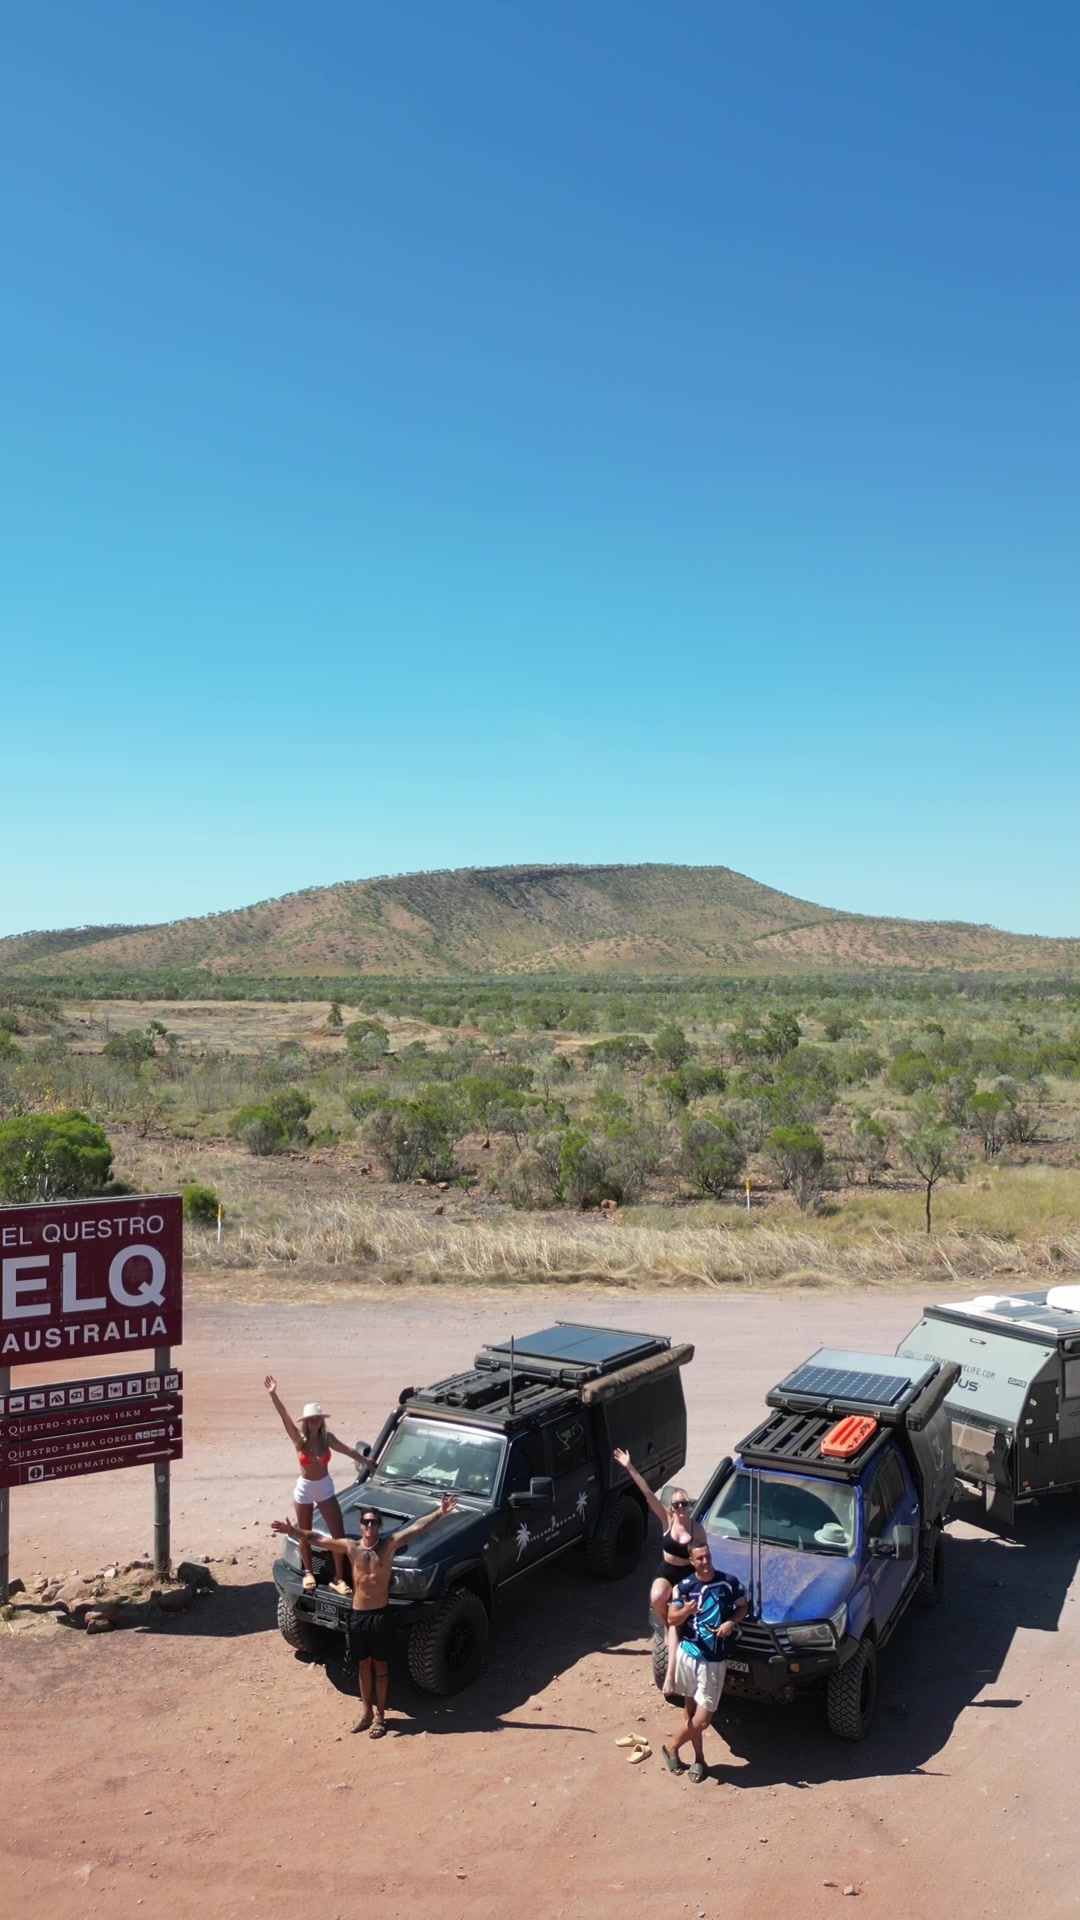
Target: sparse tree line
[[810, 1098]]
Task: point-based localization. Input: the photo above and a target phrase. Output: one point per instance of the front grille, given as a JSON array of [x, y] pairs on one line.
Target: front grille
[[756, 1637]]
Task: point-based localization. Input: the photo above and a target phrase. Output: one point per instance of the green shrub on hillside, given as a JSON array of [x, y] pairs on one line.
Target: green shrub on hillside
[[201, 1205], [53, 1156], [275, 1125]]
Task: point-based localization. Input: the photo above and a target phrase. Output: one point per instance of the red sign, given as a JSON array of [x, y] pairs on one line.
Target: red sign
[[90, 1277], [24, 1466]]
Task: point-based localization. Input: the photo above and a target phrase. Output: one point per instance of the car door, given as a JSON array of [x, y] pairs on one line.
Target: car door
[[525, 1534], [889, 1502], [578, 1492]]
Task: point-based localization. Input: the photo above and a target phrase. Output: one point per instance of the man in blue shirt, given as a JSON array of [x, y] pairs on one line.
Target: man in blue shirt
[[706, 1608]]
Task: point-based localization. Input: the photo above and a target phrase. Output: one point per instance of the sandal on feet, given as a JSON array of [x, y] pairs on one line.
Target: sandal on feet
[[699, 1772], [308, 1583], [672, 1761], [378, 1728], [340, 1586], [364, 1722]]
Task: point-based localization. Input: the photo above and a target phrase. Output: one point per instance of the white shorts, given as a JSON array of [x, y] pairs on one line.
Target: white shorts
[[312, 1493], [701, 1681]]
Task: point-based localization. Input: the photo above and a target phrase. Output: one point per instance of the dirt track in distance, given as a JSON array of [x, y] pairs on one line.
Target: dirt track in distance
[[206, 1770]]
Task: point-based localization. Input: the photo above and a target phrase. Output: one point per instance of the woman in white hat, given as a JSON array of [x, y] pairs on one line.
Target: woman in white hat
[[314, 1444]]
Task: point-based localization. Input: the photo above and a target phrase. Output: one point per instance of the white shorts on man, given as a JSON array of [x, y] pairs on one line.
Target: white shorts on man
[[699, 1680]]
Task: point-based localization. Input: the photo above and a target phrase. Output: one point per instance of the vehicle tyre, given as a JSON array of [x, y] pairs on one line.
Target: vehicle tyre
[[851, 1695], [449, 1650], [659, 1664], [930, 1590], [296, 1632], [615, 1548]]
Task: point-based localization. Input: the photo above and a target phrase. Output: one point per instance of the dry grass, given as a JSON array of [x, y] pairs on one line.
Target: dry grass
[[317, 1220]]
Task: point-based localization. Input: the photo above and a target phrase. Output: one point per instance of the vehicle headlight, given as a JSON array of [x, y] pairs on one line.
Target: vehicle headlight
[[409, 1583], [816, 1633], [820, 1633]]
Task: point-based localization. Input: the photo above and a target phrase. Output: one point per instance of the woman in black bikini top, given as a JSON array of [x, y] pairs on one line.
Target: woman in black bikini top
[[680, 1534]]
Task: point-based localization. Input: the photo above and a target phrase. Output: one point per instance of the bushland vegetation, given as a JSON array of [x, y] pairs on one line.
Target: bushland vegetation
[[837, 1100]]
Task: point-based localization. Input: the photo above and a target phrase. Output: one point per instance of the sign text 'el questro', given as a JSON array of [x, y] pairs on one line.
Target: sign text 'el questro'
[[90, 1277]]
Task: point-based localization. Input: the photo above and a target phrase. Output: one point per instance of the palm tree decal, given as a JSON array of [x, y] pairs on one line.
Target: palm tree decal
[[523, 1536], [582, 1503]]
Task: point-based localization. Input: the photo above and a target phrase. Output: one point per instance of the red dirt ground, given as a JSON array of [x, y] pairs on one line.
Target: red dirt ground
[[204, 1769]]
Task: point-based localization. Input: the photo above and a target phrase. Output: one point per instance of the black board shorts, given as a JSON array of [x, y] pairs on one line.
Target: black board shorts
[[369, 1635]]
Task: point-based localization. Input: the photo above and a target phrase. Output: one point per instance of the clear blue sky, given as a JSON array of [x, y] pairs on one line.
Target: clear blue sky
[[473, 431]]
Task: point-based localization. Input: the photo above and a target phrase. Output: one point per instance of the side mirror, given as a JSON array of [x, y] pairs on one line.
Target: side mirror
[[363, 1467], [541, 1494]]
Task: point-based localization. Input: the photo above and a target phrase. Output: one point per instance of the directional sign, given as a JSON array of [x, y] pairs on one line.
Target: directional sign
[[65, 1455], [37, 1402], [131, 1413]]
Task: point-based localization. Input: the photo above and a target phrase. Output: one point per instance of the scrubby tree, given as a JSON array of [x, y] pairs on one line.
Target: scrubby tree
[[713, 1156], [275, 1125], [780, 1035], [53, 1156], [931, 1151], [797, 1155], [671, 1047], [987, 1113]]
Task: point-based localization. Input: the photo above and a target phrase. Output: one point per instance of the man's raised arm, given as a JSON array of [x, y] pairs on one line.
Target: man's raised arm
[[448, 1504]]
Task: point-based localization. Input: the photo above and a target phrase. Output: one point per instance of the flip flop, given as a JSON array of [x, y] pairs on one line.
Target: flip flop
[[340, 1586], [672, 1761], [644, 1752], [631, 1740], [699, 1772]]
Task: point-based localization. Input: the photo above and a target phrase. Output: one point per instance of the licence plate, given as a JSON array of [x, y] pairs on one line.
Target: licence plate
[[739, 1666], [327, 1612]]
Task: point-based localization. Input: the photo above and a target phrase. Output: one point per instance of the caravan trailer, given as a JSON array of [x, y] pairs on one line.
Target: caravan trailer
[[1016, 1405]]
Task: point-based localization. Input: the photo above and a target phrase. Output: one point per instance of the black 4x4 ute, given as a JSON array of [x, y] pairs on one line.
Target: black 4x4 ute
[[525, 1439]]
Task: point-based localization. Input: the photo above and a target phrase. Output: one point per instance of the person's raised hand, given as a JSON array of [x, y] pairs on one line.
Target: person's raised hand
[[622, 1456], [270, 1383], [448, 1503]]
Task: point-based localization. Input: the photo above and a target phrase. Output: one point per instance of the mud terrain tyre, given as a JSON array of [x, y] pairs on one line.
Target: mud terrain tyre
[[296, 1632], [659, 1664], [930, 1590], [615, 1548], [851, 1695], [449, 1650]]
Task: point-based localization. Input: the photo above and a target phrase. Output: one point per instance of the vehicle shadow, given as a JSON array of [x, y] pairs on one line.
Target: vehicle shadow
[[939, 1663], [543, 1627]]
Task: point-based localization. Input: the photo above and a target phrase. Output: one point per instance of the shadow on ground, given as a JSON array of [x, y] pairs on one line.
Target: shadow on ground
[[938, 1663]]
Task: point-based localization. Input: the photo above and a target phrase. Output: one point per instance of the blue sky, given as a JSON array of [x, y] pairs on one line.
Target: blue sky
[[458, 434]]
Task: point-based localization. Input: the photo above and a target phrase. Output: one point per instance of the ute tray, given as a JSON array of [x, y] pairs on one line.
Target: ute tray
[[793, 1440]]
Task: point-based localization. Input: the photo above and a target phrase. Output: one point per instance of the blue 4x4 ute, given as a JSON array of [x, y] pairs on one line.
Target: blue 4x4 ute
[[831, 1540]]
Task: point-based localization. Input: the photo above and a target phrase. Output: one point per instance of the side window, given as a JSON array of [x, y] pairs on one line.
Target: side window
[[1072, 1379], [526, 1458], [883, 1495], [569, 1444]]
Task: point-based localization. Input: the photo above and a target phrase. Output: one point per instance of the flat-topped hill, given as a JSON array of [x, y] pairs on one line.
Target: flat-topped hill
[[645, 920]]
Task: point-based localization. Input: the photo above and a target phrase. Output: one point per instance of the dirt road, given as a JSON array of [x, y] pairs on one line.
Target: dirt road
[[206, 1770]]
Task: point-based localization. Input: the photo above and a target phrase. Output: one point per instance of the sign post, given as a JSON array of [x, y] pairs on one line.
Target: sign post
[[5, 1515], [162, 1490], [90, 1278]]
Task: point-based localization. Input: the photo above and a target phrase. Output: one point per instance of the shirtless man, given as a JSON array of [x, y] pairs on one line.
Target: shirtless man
[[372, 1562]]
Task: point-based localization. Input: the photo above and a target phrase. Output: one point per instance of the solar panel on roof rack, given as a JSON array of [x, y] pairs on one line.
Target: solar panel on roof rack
[[842, 1383], [578, 1346]]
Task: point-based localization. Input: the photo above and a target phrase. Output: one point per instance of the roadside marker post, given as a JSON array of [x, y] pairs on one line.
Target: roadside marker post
[[748, 1193], [100, 1279]]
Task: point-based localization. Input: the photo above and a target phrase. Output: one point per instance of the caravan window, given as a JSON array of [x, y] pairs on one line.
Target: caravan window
[[1072, 1379]]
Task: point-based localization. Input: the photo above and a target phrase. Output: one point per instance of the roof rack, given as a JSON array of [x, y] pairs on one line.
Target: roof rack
[[789, 1439]]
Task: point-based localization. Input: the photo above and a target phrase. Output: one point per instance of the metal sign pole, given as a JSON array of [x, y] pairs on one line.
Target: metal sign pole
[[5, 1513], [162, 1490]]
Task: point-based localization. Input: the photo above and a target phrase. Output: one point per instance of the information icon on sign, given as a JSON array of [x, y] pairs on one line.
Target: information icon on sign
[[35, 1473]]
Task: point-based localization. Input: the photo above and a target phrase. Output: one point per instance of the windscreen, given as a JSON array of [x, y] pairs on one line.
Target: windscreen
[[813, 1516], [451, 1459]]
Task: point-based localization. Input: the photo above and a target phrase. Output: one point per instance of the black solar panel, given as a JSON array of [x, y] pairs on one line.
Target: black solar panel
[[842, 1383], [579, 1346]]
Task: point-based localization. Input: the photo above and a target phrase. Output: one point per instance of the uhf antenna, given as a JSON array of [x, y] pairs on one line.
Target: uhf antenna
[[511, 1375]]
